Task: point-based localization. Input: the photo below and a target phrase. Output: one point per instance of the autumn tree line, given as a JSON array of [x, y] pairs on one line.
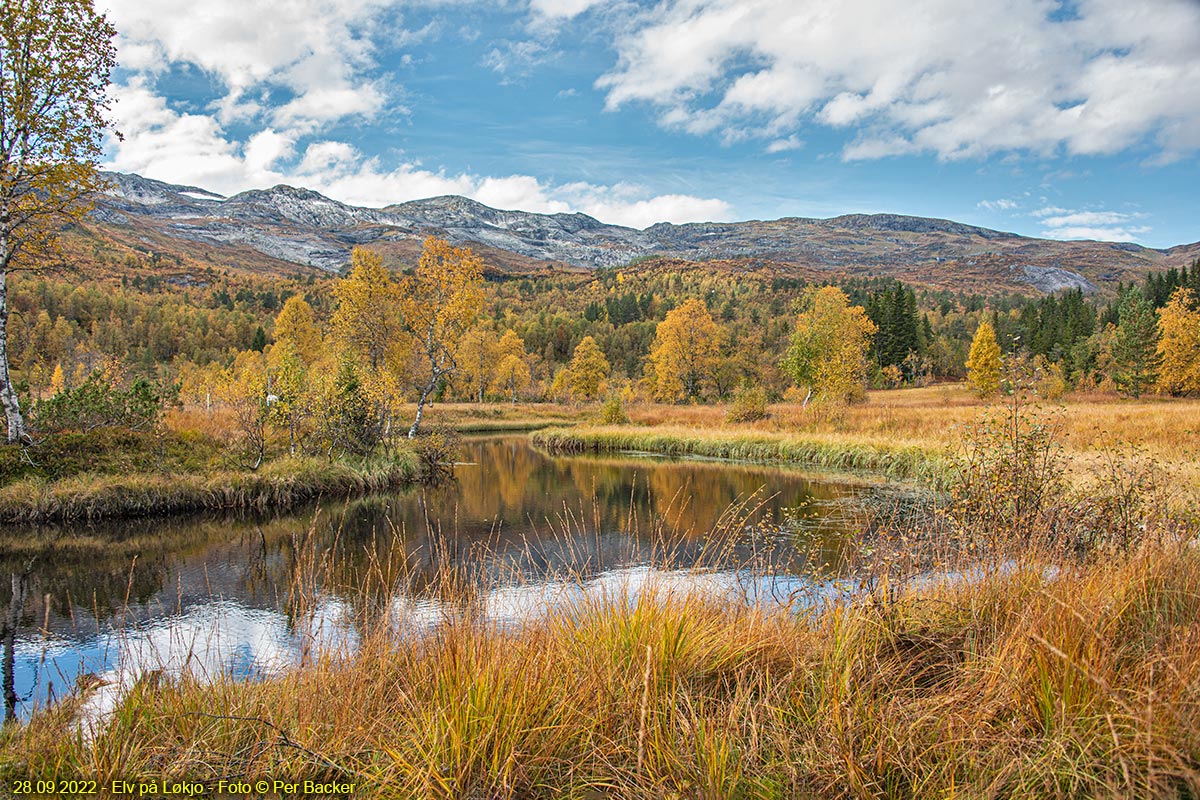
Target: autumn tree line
[[359, 346], [1146, 340]]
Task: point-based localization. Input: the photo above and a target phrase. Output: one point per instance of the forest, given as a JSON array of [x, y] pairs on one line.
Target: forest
[[190, 341]]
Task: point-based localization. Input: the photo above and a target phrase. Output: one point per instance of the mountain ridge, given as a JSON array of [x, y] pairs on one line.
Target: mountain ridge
[[289, 225]]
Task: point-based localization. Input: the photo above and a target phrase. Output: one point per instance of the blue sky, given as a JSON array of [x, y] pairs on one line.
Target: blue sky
[[1061, 119]]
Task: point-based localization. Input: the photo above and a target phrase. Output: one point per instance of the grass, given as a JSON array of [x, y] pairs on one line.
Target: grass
[[279, 484], [1016, 684], [834, 452], [497, 417], [907, 433]]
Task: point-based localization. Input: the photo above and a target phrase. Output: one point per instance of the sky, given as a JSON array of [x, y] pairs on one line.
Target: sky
[[1057, 119]]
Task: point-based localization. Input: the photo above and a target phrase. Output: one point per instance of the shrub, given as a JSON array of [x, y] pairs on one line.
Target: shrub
[[1011, 474], [437, 450], [613, 412], [749, 405], [97, 403]]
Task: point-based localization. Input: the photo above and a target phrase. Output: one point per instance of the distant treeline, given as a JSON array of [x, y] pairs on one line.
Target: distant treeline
[[155, 324]]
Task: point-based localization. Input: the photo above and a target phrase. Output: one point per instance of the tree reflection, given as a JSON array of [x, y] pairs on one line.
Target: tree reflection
[[513, 517]]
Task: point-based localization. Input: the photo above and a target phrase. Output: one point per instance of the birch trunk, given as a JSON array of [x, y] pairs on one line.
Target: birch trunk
[[8, 395]]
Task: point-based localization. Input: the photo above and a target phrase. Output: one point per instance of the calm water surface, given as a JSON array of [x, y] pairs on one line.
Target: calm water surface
[[528, 531]]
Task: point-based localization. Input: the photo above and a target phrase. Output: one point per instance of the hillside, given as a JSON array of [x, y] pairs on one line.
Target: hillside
[[281, 229]]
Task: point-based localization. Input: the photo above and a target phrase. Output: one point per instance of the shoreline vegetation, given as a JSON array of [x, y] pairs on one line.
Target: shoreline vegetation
[[896, 462], [277, 486], [908, 435], [115, 474]]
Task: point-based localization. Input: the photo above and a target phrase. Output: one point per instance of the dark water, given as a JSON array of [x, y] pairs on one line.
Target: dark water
[[527, 531]]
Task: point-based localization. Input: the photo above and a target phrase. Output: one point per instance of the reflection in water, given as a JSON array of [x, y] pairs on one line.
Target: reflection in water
[[523, 532]]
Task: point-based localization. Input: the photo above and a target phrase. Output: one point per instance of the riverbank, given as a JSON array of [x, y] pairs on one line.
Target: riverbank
[[1016, 684], [188, 466], [278, 485], [830, 452], [913, 434]]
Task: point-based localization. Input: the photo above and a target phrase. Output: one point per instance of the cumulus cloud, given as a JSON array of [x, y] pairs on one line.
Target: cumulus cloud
[[635, 206], [926, 76], [561, 9], [792, 142], [194, 149], [317, 51], [1107, 226]]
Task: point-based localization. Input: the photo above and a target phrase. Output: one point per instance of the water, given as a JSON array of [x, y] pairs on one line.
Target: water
[[106, 604]]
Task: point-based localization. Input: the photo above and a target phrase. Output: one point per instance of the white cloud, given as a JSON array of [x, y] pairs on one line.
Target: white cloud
[[194, 149], [677, 208], [265, 148], [1089, 218], [792, 142], [635, 206], [922, 76], [1107, 226], [561, 9], [173, 146], [1049, 211], [1101, 234], [516, 59], [1003, 204], [314, 50]]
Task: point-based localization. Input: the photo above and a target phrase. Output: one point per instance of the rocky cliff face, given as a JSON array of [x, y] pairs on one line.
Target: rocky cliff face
[[300, 226]]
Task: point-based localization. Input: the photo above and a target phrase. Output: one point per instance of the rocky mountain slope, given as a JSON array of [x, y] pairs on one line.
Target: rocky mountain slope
[[282, 227]]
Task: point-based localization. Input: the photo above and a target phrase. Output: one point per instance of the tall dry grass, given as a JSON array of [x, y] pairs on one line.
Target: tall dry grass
[[1016, 683]]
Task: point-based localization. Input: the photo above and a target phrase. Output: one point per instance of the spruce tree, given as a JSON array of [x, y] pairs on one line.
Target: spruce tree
[[1135, 356]]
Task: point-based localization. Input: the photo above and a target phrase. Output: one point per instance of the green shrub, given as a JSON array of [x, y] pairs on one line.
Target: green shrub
[[749, 405], [613, 412], [97, 403]]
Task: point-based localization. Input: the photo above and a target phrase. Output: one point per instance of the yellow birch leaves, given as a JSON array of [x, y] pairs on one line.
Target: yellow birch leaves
[[1179, 345]]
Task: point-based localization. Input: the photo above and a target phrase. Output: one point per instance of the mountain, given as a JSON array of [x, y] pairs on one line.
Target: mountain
[[283, 227]]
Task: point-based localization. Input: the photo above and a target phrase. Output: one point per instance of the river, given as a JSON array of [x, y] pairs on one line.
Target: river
[[522, 531]]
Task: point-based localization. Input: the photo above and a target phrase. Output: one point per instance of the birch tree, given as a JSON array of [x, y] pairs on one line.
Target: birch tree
[[55, 60], [438, 304], [686, 352], [828, 354]]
